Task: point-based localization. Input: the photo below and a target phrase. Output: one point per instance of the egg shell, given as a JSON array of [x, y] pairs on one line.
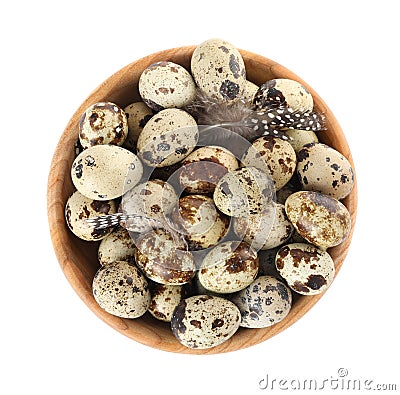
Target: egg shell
[[219, 70], [320, 219], [164, 299], [283, 92], [117, 246], [321, 168], [291, 187], [250, 89], [153, 199], [79, 207], [203, 168], [204, 321], [137, 114], [266, 230], [162, 259], [120, 289], [243, 191], [167, 138], [307, 269], [166, 85], [103, 123], [273, 156], [229, 267], [196, 217], [265, 302], [299, 138], [105, 172]]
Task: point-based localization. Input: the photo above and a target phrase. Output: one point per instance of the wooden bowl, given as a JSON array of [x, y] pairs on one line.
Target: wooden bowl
[[78, 258]]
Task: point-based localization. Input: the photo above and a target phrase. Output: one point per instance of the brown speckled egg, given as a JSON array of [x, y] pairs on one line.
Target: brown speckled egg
[[117, 246], [164, 299], [104, 172], [244, 191], [273, 156], [121, 290], [266, 230], [103, 123], [163, 259], [265, 302], [166, 85], [219, 70], [308, 270], [167, 138], [320, 219], [323, 169], [282, 91], [79, 207], [152, 199], [299, 138], [229, 267], [204, 321], [203, 168], [137, 114], [197, 218]]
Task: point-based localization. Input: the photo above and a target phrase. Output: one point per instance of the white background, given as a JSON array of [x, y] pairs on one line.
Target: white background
[[54, 54]]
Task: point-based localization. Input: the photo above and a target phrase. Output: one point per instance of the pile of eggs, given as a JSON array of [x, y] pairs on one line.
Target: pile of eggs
[[207, 271]]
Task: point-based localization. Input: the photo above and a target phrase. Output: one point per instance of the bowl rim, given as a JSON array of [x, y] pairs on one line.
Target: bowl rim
[[139, 331]]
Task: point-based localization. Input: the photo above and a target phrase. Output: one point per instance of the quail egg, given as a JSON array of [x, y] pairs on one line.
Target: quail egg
[[117, 246], [299, 138]]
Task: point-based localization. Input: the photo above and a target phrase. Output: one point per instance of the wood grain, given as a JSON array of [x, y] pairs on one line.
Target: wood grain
[[78, 258]]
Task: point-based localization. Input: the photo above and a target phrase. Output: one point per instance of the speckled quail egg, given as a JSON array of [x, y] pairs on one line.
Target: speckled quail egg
[[167, 138], [283, 92], [267, 230], [265, 302], [117, 246], [244, 191], [323, 169], [197, 218], [308, 270], [152, 199], [250, 89], [299, 138], [120, 289], [274, 156], [137, 114], [104, 172], [162, 258], [229, 267], [320, 219], [164, 299], [103, 123], [203, 168], [204, 321], [79, 207], [166, 85], [219, 70]]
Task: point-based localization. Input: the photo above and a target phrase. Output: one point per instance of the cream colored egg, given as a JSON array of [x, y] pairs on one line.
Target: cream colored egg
[[204, 167], [244, 191], [218, 69], [103, 123], [323, 169], [137, 114], [79, 208], [105, 172], [308, 270], [117, 246], [167, 138], [299, 138], [204, 321], [120, 289], [229, 267], [273, 156], [166, 85], [250, 89], [320, 219]]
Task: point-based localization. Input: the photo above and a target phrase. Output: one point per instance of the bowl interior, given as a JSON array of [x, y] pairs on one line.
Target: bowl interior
[[78, 258]]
